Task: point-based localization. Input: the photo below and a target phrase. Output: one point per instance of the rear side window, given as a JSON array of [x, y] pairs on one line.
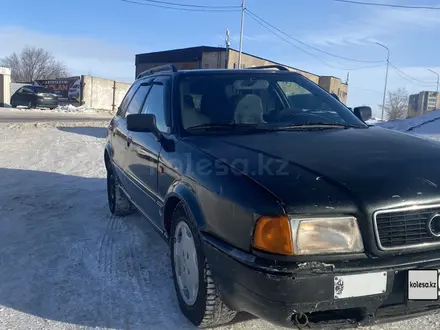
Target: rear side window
[[39, 89], [138, 99], [127, 99]]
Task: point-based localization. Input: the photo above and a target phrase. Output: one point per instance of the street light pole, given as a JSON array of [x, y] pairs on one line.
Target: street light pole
[[241, 32], [438, 78], [386, 78]]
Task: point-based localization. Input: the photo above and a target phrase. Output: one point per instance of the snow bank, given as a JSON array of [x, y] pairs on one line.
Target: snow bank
[[374, 121], [67, 108], [412, 124], [71, 108]]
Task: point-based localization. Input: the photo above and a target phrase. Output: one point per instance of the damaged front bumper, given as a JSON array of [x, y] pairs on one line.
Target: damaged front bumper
[[324, 295]]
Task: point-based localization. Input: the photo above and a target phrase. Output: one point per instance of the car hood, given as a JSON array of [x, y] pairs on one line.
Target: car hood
[[370, 168]]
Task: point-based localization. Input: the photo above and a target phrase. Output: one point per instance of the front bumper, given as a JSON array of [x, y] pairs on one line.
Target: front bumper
[[276, 296]]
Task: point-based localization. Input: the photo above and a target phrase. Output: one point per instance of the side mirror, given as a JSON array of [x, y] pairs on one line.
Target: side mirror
[[145, 123], [363, 113]]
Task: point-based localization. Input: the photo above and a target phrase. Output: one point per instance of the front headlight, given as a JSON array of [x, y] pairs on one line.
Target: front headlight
[[307, 236], [326, 236]]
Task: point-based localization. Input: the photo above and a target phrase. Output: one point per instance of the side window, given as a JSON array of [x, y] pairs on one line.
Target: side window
[[126, 100], [155, 105], [137, 100], [26, 90], [290, 88]]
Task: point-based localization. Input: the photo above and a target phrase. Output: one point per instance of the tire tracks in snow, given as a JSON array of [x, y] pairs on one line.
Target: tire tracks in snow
[[122, 273], [105, 252], [141, 279]]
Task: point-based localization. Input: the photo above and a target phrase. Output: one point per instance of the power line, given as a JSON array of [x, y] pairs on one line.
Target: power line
[[410, 79], [366, 89], [208, 9], [387, 5], [305, 44], [307, 52], [192, 5]]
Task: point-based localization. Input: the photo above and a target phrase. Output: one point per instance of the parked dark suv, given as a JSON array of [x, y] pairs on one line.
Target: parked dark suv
[[34, 97], [277, 199]]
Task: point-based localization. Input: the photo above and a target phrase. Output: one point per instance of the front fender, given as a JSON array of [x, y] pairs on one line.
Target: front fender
[[185, 194]]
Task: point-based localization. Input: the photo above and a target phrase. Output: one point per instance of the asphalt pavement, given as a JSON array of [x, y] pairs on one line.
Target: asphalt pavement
[[31, 116]]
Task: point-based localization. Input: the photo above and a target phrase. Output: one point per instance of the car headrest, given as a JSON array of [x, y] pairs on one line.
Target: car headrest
[[217, 107], [249, 109], [188, 101]]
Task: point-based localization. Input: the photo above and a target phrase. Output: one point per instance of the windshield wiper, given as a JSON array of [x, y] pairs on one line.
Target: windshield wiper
[[319, 126], [221, 126]]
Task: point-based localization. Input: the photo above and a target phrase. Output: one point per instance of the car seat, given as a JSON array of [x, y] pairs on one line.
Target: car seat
[[190, 116], [249, 109]]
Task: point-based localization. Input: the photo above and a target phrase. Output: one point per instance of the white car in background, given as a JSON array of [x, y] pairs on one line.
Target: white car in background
[[74, 91]]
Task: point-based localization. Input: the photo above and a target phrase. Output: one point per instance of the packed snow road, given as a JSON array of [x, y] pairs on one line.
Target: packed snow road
[[35, 115], [65, 262]]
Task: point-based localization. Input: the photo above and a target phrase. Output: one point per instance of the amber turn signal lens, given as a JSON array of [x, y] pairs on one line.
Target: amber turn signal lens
[[273, 234]]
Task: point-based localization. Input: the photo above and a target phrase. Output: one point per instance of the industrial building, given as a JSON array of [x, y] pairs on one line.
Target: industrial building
[[206, 57]]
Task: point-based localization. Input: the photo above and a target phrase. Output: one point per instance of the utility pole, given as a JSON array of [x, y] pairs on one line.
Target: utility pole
[[241, 32], [386, 78], [228, 45]]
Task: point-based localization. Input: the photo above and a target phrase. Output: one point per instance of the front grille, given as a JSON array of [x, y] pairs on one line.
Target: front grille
[[405, 228]]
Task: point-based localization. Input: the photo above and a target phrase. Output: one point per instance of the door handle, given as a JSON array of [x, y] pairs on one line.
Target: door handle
[[129, 140]]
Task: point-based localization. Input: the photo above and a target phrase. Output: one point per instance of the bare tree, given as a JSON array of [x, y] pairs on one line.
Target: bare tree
[[32, 64], [396, 105]]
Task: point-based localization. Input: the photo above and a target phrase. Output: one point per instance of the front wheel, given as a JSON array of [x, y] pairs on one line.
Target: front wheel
[[31, 105], [198, 296]]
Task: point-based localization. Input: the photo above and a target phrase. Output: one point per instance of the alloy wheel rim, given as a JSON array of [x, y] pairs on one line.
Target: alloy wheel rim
[[185, 263]]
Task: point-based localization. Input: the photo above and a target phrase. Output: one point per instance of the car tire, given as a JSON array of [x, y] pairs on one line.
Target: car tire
[[118, 202], [206, 308], [31, 105]]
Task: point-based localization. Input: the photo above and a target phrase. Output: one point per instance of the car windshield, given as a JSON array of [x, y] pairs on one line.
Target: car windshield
[[39, 89], [253, 101]]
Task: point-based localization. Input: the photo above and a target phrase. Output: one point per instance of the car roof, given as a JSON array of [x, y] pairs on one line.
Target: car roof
[[208, 72]]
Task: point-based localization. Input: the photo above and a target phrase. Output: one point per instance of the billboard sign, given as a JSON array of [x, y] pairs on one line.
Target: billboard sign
[[67, 89]]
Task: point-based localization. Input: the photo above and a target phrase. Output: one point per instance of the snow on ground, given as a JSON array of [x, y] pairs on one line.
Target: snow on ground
[[374, 121], [61, 108], [426, 126], [65, 262], [413, 124]]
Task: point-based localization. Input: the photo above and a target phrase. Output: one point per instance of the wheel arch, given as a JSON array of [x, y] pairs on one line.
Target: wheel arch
[[182, 193]]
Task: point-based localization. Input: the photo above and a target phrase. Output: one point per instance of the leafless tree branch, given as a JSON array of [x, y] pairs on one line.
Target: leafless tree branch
[[396, 105], [32, 64]]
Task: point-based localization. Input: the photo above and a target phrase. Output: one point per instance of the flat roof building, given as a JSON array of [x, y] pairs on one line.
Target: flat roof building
[[207, 57]]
